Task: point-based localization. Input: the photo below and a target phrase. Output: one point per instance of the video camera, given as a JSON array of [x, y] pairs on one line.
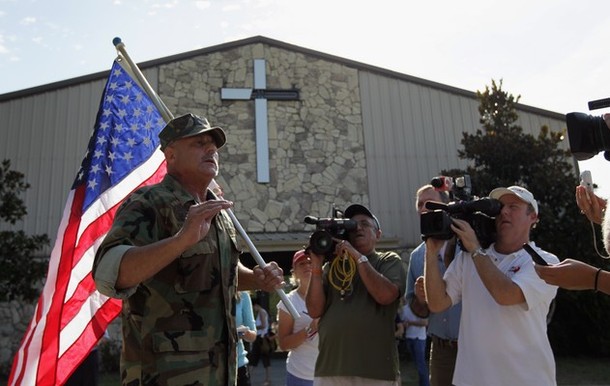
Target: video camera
[[588, 135], [479, 213], [321, 241]]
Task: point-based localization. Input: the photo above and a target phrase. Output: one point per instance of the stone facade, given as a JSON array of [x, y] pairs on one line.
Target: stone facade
[[316, 145]]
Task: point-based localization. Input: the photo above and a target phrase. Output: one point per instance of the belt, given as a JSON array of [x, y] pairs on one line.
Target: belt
[[440, 342]]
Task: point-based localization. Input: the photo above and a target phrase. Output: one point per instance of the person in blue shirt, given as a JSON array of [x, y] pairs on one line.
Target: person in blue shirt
[[443, 327], [246, 330]]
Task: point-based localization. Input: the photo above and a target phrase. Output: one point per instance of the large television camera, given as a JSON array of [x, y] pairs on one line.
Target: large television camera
[[321, 241], [589, 135], [480, 213]]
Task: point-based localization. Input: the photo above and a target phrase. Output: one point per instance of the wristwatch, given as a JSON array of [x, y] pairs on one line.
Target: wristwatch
[[479, 252], [362, 259]]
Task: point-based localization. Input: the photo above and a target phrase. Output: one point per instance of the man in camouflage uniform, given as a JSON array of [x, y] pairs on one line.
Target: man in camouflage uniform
[[171, 256]]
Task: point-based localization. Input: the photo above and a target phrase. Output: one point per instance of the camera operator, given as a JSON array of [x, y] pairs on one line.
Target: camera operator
[[503, 338], [573, 274], [576, 275], [443, 326], [356, 327]]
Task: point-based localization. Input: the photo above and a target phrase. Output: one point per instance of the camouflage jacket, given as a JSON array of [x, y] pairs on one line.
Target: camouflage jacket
[[179, 325]]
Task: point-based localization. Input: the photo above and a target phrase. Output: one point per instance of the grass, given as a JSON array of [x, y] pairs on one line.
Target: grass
[[570, 371], [583, 371]]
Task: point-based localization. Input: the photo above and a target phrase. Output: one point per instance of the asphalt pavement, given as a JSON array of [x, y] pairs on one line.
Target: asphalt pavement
[[277, 371]]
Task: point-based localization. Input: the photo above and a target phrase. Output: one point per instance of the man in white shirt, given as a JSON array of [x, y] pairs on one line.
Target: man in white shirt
[[503, 337]]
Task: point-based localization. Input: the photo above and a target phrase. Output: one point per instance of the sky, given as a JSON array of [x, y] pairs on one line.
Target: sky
[[553, 53]]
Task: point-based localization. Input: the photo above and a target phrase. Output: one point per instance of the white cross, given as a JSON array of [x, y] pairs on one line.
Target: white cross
[[260, 94]]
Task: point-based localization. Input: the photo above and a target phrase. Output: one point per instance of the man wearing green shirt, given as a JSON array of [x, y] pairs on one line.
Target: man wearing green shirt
[[356, 296]]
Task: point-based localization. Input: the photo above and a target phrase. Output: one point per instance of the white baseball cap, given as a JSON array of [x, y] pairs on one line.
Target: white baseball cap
[[523, 194]]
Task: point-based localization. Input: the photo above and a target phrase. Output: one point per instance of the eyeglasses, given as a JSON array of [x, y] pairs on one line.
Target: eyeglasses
[[365, 224]]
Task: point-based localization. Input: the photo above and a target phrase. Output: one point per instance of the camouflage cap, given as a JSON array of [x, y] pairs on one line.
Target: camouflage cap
[[189, 125]]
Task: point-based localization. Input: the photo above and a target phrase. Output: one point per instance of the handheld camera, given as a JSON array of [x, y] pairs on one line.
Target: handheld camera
[[321, 241], [589, 135], [479, 213], [586, 180]]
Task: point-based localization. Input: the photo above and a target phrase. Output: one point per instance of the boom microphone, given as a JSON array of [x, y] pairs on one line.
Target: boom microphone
[[433, 205], [311, 220]]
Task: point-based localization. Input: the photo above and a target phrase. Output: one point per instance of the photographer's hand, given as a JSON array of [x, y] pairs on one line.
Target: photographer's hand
[[569, 274], [466, 234], [378, 286], [503, 290], [590, 204], [344, 246]]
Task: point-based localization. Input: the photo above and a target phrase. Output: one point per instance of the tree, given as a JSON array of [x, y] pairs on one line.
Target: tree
[[20, 270], [502, 155]]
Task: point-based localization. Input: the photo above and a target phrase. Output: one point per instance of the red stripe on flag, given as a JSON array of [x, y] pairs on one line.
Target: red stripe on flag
[[89, 338], [91, 234], [45, 374]]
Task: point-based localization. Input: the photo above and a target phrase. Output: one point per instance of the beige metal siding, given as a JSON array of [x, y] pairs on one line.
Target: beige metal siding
[[412, 132], [45, 136]]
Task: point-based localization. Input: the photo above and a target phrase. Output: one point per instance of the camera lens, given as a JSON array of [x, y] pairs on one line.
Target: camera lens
[[588, 135], [321, 243]]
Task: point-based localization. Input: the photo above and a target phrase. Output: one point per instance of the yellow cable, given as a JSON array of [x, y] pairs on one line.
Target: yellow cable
[[341, 273]]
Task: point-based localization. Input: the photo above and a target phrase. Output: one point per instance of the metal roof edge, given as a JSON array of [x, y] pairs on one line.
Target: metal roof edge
[[276, 43]]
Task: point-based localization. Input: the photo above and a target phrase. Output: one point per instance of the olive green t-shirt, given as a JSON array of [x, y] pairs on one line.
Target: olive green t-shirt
[[357, 333]]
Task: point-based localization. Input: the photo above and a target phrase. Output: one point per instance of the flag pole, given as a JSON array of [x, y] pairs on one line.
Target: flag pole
[[168, 116], [120, 46]]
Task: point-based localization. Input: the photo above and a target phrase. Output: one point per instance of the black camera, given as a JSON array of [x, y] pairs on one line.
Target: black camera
[[321, 241], [479, 213], [588, 135]]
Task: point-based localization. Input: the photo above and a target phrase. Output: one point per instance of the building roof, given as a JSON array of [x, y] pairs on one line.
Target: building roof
[[278, 44]]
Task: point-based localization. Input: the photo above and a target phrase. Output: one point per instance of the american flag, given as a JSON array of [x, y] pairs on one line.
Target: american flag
[[71, 316]]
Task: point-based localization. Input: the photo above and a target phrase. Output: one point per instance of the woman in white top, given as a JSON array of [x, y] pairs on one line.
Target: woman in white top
[[299, 337]]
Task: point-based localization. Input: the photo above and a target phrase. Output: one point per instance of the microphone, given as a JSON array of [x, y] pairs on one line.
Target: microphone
[[311, 220], [433, 205], [442, 183]]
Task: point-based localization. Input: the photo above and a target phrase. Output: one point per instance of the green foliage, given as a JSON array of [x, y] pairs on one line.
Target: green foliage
[[503, 155], [11, 206], [20, 271]]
